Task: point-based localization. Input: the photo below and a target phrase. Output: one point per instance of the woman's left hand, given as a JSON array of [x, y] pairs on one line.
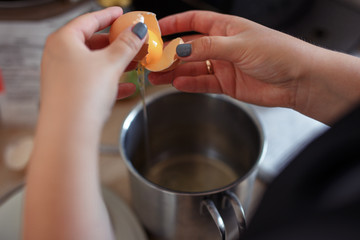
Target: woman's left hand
[[81, 70], [79, 82]]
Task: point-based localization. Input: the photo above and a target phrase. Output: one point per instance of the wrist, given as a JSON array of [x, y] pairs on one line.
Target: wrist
[[69, 124], [330, 88]]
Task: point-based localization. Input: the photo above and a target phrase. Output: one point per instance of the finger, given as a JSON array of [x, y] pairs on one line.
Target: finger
[[198, 84], [98, 41], [186, 69], [186, 38], [200, 21], [125, 90], [124, 48], [210, 47], [189, 38], [86, 25]]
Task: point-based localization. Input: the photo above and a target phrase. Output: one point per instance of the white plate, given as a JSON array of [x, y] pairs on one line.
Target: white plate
[[125, 224]]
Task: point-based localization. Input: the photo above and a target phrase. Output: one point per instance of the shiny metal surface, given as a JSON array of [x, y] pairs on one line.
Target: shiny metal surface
[[210, 206], [212, 125], [238, 209]]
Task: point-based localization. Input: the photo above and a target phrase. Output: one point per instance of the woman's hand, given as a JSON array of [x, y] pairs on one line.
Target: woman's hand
[[79, 84], [258, 65], [80, 70], [246, 58]]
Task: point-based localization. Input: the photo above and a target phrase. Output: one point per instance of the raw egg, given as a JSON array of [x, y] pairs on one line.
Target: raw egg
[[153, 55], [155, 49]]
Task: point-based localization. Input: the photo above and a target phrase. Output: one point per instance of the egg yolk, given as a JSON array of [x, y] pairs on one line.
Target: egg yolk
[[155, 49]]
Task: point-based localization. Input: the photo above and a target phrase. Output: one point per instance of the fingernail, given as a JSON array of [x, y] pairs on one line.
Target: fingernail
[[140, 30], [183, 50]]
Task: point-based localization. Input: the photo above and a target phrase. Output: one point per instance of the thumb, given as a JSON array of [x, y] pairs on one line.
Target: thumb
[[127, 44], [208, 47]]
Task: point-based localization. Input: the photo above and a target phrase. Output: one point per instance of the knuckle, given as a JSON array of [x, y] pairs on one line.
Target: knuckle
[[129, 43], [60, 37], [54, 42], [52, 39], [206, 43]]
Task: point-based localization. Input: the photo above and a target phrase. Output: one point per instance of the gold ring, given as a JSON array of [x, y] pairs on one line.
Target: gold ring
[[209, 67]]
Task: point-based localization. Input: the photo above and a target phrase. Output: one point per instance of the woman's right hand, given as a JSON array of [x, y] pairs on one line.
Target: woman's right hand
[[250, 62], [255, 64]]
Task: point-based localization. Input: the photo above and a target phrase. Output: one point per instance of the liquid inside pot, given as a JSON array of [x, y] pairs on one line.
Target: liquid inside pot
[[191, 173]]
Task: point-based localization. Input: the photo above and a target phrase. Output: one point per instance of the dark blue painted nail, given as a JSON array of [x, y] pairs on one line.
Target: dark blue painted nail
[[183, 50], [140, 30]]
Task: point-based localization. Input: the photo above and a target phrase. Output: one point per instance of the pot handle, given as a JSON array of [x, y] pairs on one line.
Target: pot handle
[[210, 206], [238, 209]]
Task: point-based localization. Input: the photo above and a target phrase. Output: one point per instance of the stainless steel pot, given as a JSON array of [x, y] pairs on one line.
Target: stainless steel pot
[[194, 176]]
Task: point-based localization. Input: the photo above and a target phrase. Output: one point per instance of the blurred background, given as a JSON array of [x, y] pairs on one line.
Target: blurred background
[[329, 23], [25, 24]]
